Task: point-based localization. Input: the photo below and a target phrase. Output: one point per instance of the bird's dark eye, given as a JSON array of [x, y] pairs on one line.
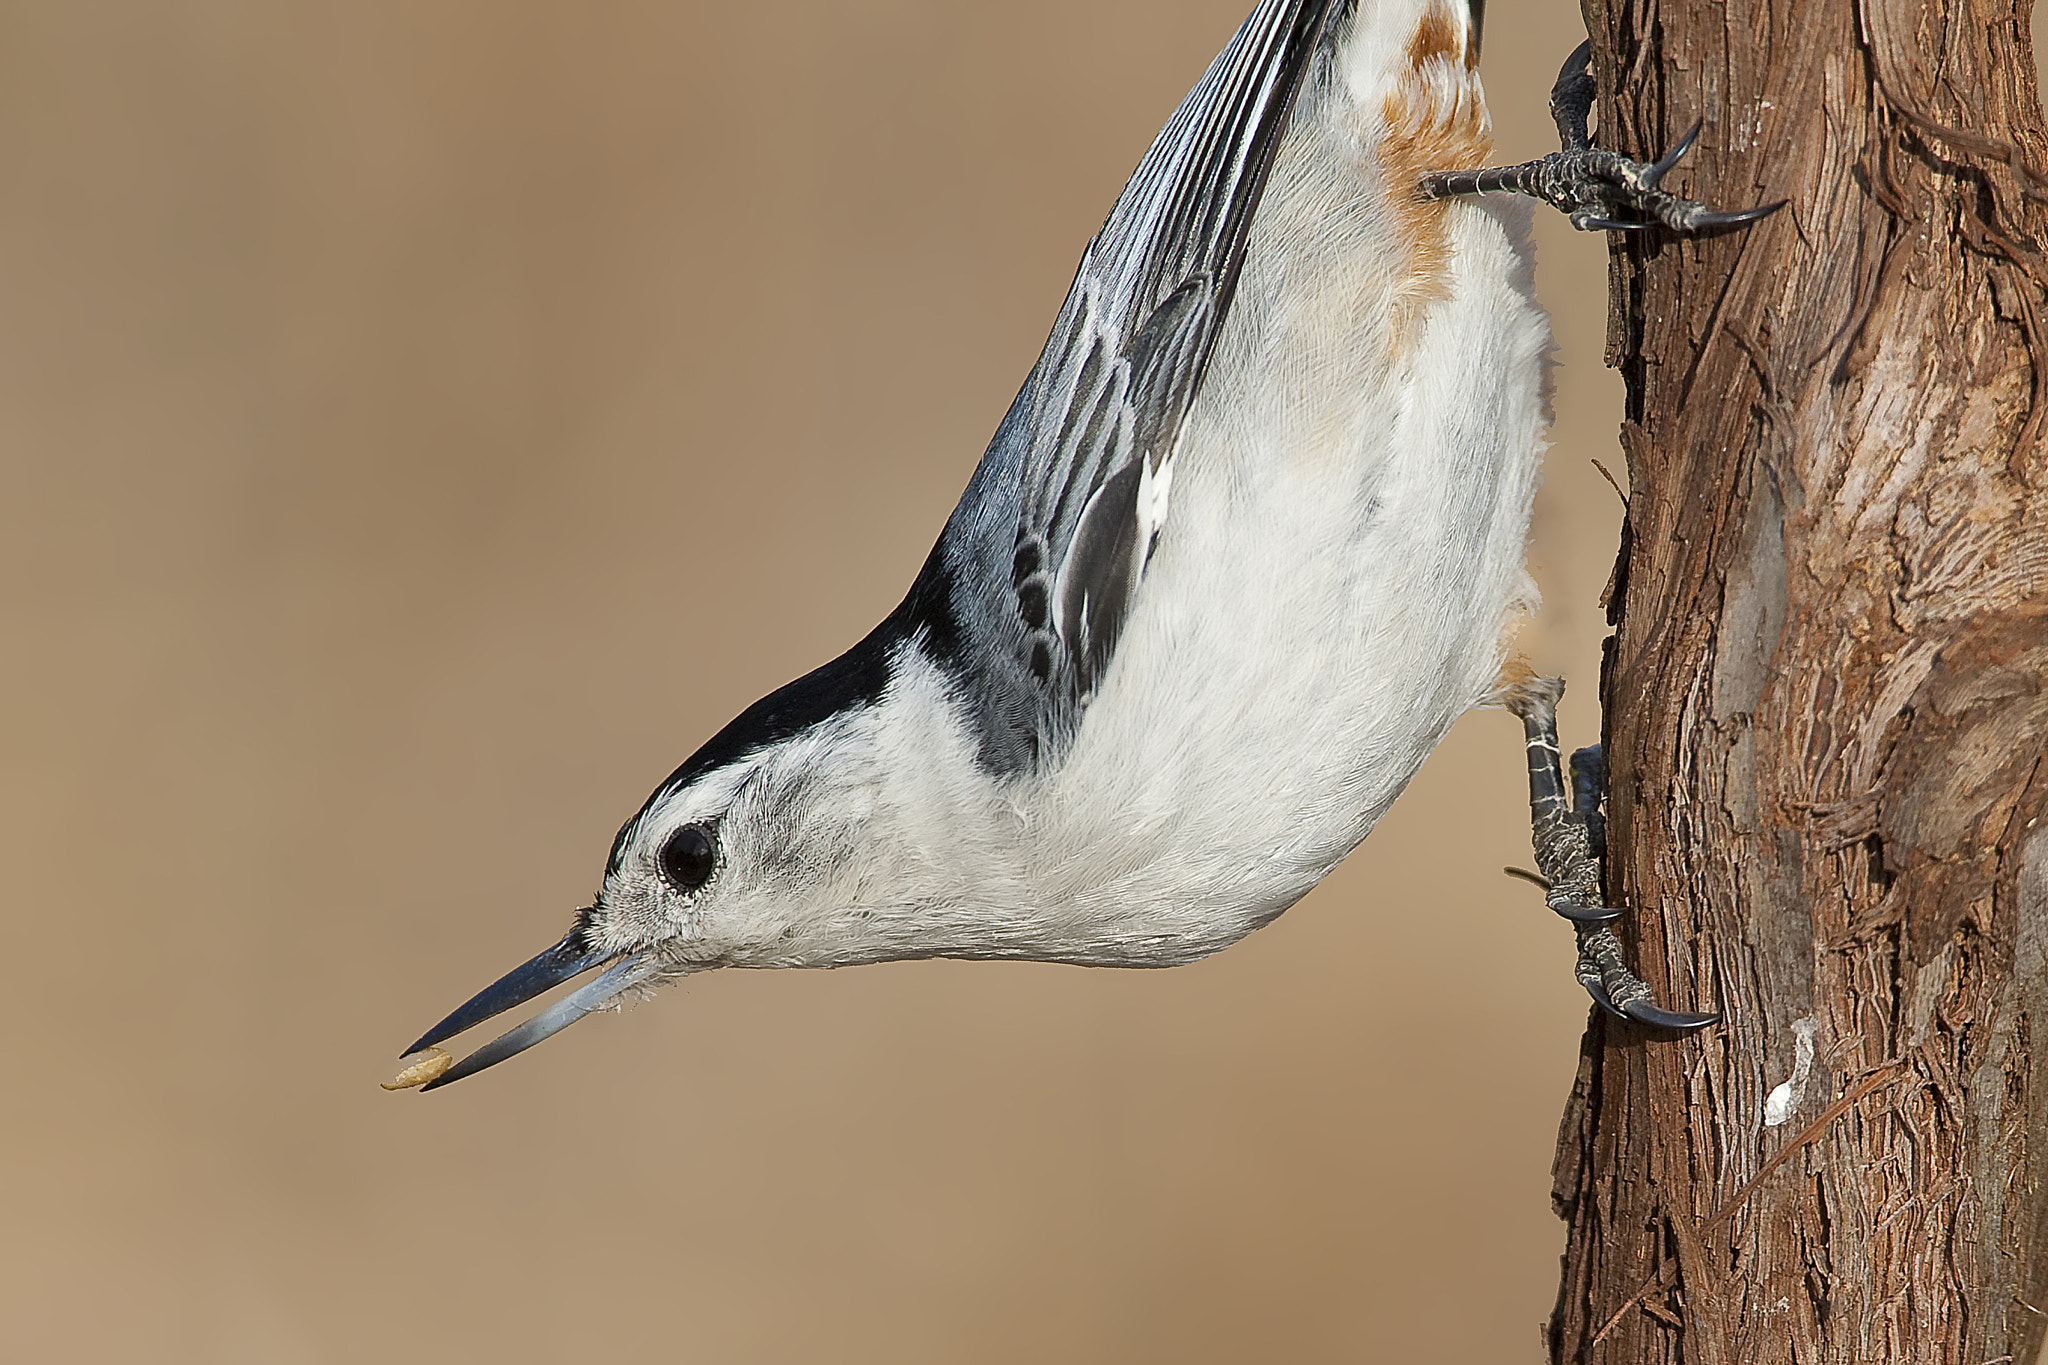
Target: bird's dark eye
[[689, 856]]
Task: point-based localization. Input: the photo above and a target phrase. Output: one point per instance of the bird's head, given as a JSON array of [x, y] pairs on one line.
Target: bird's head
[[807, 833]]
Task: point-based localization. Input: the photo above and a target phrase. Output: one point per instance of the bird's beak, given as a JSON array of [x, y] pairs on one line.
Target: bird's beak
[[563, 962]]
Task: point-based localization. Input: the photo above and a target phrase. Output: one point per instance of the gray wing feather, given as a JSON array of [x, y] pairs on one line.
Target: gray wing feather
[[1047, 548]]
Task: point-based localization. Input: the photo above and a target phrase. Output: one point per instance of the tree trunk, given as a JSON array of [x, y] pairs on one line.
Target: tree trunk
[[1826, 700]]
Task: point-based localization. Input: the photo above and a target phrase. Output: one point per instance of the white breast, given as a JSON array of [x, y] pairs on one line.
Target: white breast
[[1344, 553]]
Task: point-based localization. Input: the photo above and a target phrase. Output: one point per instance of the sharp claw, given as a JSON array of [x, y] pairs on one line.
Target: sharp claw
[[1701, 219], [1587, 914], [1591, 223], [1678, 1021], [1681, 216], [1578, 63], [1671, 158], [1713, 219], [1641, 1011]]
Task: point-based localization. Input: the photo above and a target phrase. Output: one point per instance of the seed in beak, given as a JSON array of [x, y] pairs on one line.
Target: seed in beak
[[421, 1067]]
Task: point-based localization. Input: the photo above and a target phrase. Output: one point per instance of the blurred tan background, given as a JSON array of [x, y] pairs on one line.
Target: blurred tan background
[[423, 424]]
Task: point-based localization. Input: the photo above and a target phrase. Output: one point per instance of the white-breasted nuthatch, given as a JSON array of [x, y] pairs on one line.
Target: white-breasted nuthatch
[[1247, 543]]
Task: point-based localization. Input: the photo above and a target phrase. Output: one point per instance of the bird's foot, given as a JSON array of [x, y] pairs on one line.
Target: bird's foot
[[1570, 843], [1598, 190], [1621, 992]]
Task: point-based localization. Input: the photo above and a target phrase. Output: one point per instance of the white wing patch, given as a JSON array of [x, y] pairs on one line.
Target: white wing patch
[[1155, 492]]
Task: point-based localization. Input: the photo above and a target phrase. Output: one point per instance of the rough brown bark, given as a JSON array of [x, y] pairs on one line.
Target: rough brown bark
[[1827, 701]]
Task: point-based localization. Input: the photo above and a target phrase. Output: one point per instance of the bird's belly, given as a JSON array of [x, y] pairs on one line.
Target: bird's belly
[[1341, 564]]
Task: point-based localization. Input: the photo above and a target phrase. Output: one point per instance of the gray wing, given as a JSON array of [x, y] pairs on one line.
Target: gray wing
[[1045, 552]]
